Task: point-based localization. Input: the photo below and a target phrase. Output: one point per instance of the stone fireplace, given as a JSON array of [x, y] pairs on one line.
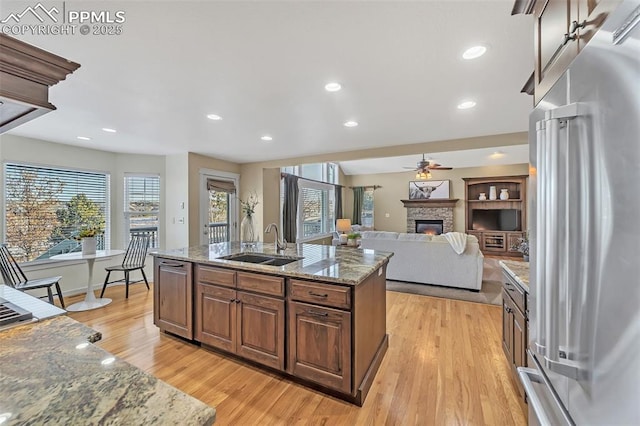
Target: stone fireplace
[[430, 211]]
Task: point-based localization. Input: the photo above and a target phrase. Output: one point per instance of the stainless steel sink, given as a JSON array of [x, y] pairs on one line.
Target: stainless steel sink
[[261, 259]]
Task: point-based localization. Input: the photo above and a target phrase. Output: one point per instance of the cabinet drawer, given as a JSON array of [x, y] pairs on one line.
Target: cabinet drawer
[[265, 284], [173, 264], [322, 294], [516, 294], [218, 276]]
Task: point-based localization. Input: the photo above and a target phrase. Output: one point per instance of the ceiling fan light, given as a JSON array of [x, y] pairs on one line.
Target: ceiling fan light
[[428, 175]]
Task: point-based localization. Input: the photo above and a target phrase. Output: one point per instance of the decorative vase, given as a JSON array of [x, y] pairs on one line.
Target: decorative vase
[[88, 245], [247, 231], [504, 194], [483, 196], [493, 195]]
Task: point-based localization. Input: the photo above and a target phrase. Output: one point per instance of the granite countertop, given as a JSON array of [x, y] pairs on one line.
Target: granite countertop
[[319, 262], [51, 374], [518, 270]]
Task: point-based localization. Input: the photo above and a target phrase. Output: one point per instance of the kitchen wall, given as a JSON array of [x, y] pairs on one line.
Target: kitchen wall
[[33, 151], [395, 187]]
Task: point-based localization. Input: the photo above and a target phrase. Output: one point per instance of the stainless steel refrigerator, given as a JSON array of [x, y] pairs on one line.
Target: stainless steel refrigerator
[[584, 328]]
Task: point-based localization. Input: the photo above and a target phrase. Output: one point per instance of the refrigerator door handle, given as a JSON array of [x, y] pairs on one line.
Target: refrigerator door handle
[[527, 377], [555, 120]]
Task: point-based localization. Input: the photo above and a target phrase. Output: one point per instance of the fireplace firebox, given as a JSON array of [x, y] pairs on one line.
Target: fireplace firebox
[[429, 226]]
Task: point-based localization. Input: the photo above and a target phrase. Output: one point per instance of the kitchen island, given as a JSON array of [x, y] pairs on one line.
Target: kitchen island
[[314, 313], [50, 373]]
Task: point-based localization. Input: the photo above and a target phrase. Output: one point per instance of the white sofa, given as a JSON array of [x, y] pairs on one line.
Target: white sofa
[[428, 259]]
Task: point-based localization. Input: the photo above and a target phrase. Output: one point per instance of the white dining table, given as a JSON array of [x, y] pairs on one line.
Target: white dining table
[[90, 301]]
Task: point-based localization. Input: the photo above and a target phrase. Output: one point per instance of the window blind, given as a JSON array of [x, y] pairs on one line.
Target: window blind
[[46, 207], [142, 207]]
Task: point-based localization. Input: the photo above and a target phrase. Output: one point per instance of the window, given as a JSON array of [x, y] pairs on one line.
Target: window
[[367, 208], [316, 210], [316, 202], [45, 207], [141, 207]]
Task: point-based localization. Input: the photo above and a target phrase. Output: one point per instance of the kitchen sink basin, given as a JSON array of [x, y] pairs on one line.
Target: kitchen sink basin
[[261, 259]]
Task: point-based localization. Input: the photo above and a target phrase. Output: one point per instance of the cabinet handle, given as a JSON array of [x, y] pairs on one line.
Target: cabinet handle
[[575, 26], [509, 310], [238, 300], [317, 314], [568, 38], [311, 293], [172, 265], [233, 300]]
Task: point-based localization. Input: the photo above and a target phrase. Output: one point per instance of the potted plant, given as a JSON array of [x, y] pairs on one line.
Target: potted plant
[[353, 239], [87, 237], [523, 247]]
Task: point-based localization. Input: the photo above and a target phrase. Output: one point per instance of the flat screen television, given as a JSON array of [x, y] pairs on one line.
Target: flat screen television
[[496, 220]]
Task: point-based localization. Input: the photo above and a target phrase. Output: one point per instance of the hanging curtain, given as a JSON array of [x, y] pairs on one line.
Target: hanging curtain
[[358, 200], [290, 208], [221, 186], [338, 190]]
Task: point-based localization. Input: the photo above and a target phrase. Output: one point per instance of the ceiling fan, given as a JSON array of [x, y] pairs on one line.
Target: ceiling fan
[[424, 166]]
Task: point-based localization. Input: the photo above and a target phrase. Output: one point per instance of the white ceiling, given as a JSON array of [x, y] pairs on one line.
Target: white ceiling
[[262, 66], [513, 154]]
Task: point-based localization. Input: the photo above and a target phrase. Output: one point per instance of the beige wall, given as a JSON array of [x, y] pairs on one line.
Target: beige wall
[[395, 187], [197, 163]]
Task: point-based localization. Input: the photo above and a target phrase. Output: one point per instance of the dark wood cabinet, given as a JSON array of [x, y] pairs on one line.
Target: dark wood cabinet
[[487, 219], [514, 326], [562, 28], [320, 345], [173, 297], [26, 73], [327, 334], [260, 329], [246, 324]]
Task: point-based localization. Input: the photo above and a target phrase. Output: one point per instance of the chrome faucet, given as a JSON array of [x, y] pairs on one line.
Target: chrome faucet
[[279, 245]]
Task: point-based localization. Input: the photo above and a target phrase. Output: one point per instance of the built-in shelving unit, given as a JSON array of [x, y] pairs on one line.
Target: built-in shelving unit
[[498, 224]]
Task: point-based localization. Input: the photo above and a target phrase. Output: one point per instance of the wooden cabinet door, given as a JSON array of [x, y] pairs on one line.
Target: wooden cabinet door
[[319, 345], [173, 297], [592, 14], [507, 326], [554, 52], [261, 323], [216, 316], [513, 240]]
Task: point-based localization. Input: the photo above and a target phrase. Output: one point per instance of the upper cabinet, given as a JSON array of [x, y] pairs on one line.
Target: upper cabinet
[[26, 73], [562, 28]]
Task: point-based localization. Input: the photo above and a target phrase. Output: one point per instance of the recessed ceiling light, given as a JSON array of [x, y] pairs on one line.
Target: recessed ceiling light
[[108, 130], [214, 117], [466, 105], [266, 138], [474, 52], [350, 123], [84, 138], [332, 87]]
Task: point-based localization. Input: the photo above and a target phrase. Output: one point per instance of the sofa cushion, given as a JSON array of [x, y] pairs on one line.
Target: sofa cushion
[[380, 235], [414, 237]]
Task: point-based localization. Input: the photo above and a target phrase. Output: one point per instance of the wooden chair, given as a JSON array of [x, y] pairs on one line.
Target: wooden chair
[[134, 259], [14, 277]]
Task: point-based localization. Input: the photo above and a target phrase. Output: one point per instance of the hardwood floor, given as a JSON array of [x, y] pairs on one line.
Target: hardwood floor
[[444, 366]]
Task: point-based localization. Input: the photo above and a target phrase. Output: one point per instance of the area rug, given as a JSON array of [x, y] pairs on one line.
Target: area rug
[[491, 292]]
